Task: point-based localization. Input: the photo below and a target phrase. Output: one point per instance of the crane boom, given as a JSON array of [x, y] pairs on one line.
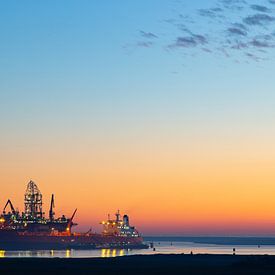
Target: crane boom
[[11, 206], [70, 222]]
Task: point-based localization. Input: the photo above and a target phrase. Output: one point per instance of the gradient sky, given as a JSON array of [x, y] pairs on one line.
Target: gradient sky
[[163, 109]]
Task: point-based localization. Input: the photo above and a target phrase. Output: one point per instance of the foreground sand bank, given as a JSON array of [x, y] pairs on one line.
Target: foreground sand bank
[[155, 264]]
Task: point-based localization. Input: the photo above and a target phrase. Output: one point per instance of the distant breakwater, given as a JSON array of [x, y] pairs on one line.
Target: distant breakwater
[[215, 240]]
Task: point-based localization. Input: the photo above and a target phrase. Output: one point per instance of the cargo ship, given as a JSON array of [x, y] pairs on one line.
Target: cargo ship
[[32, 230]]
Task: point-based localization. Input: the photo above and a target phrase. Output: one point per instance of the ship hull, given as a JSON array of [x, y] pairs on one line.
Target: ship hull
[[15, 241]]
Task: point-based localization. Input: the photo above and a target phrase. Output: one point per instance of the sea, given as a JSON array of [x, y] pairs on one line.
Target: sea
[[165, 245]]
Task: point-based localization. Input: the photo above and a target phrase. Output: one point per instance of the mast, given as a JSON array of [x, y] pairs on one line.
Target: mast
[[51, 213], [117, 216]]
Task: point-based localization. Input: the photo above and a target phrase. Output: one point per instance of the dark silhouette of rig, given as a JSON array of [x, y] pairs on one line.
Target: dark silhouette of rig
[[33, 218]]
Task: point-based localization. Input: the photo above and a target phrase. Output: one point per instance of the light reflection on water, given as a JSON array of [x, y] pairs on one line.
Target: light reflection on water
[[162, 247], [68, 253], [106, 253]]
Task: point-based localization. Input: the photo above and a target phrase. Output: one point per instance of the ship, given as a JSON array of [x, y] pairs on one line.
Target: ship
[[32, 230]]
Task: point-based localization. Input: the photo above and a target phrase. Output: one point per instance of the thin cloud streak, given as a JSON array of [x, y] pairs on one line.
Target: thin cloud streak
[[251, 31]]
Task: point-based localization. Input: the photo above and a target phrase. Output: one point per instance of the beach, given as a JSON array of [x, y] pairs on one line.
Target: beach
[[150, 264]]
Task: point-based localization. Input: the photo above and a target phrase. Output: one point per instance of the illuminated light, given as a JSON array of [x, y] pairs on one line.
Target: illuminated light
[[103, 253], [68, 229], [2, 253], [114, 223], [114, 253], [68, 253], [2, 220], [108, 253], [121, 252], [52, 253]]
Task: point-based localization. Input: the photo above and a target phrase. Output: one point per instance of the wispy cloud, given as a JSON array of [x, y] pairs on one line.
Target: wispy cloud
[[260, 8], [189, 41], [144, 44], [263, 42], [148, 35], [213, 12], [237, 31], [258, 19], [233, 4], [239, 26]]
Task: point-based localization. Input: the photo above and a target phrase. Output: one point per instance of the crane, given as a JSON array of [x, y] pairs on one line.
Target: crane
[[11, 206], [70, 222]]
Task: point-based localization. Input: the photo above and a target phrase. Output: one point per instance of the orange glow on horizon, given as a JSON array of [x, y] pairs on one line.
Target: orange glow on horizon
[[181, 191]]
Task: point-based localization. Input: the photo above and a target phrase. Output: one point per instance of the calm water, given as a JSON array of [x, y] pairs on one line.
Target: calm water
[[162, 247]]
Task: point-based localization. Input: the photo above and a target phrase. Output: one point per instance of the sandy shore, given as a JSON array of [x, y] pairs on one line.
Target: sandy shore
[[155, 264]]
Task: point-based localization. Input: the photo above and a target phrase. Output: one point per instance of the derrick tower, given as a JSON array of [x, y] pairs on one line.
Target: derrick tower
[[33, 201]]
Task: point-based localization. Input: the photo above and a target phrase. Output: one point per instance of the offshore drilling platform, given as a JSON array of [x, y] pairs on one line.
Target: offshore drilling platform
[[32, 230]]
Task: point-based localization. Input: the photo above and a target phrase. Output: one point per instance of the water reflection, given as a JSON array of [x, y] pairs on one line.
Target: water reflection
[[160, 247], [106, 253], [68, 253], [103, 253], [121, 252], [2, 253]]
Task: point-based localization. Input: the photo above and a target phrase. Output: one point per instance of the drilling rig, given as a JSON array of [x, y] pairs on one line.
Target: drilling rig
[[33, 202], [33, 218]]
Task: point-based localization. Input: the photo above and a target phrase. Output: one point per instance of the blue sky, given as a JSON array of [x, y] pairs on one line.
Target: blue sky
[[107, 59]]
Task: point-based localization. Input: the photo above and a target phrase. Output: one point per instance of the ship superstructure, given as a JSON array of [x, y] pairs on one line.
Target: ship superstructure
[[119, 227], [32, 229]]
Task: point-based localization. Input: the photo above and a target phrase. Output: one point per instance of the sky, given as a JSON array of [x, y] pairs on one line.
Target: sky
[[162, 109]]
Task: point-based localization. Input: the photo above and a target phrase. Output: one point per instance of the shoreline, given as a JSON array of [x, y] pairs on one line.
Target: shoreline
[[143, 264], [213, 240]]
